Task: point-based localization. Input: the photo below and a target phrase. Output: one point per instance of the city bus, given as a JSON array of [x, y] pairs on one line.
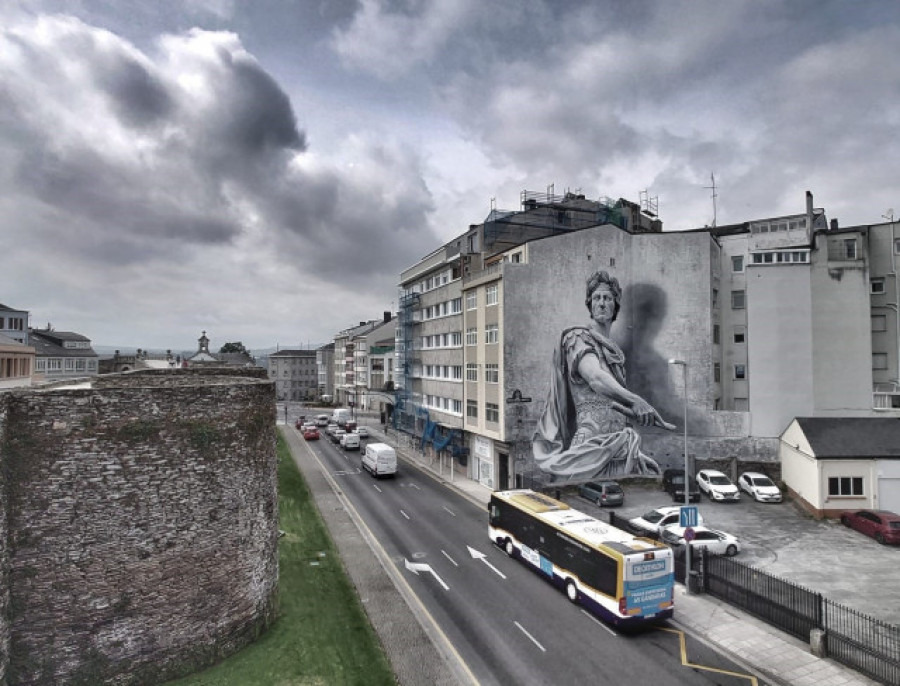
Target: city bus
[[623, 579]]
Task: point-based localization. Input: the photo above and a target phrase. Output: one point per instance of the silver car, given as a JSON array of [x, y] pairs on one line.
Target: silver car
[[603, 493]]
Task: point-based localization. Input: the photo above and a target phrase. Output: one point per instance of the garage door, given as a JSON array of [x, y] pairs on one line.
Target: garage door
[[889, 494]]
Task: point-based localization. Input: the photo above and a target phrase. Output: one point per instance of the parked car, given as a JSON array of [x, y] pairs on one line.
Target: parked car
[[363, 431], [716, 542], [717, 486], [602, 493], [652, 522], [673, 484], [761, 487], [311, 434], [882, 525]]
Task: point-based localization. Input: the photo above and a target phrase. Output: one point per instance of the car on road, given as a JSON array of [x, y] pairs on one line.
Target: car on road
[[363, 431], [350, 441], [717, 486], [603, 493], [311, 434], [882, 525], [760, 487], [653, 522], [673, 483], [323, 419], [716, 542], [336, 435]]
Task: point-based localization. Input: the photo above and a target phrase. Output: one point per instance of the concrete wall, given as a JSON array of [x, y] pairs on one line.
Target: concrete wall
[[142, 526]]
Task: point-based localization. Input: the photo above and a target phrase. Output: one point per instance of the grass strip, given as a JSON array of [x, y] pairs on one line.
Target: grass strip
[[322, 635]]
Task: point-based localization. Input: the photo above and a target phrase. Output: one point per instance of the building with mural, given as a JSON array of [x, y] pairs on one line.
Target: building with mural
[[751, 325]]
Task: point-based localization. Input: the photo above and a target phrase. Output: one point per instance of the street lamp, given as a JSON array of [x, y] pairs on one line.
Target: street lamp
[[687, 490]]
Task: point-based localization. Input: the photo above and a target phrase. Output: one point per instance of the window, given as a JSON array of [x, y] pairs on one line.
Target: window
[[471, 300], [876, 286], [492, 412], [456, 406], [740, 371], [492, 373], [472, 409], [845, 485], [897, 246], [490, 293], [715, 297], [879, 322], [740, 334], [879, 361], [472, 336], [717, 372], [456, 306], [456, 338], [491, 334], [737, 263], [716, 334], [850, 248], [471, 371], [516, 257], [737, 300]]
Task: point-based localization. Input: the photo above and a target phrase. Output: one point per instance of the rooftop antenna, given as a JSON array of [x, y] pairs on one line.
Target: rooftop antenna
[[889, 214], [714, 196]]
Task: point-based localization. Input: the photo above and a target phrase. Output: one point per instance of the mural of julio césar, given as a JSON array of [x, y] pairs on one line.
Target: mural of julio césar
[[582, 433]]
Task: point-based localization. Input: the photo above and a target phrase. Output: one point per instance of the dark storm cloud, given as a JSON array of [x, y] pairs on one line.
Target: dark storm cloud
[[138, 96]]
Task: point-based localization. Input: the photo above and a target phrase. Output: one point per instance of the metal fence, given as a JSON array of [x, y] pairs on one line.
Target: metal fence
[[868, 645]]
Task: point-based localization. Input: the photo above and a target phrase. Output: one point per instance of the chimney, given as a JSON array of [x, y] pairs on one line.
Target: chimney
[[362, 323], [809, 204], [834, 225], [387, 316]]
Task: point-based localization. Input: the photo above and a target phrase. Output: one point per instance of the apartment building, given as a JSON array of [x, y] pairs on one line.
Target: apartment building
[[325, 371], [351, 360], [295, 374], [767, 320]]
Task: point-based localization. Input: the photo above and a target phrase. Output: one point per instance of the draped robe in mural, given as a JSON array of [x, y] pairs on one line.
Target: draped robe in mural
[[580, 435]]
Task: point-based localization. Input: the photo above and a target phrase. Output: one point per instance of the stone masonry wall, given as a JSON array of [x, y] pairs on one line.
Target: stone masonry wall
[[4, 558], [142, 526]]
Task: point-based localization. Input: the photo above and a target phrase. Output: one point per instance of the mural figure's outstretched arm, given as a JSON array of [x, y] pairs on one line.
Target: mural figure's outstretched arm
[[629, 404]]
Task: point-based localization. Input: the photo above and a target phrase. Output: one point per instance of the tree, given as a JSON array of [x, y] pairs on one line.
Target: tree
[[237, 347]]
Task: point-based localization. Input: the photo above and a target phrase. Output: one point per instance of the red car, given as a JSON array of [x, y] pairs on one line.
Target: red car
[[311, 434], [881, 525]]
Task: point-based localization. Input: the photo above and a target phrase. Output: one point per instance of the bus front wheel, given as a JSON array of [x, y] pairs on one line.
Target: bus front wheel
[[571, 591], [509, 547]]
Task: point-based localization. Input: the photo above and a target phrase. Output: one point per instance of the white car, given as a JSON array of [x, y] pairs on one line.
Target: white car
[[717, 486], [363, 431], [761, 487], [717, 542], [651, 523]]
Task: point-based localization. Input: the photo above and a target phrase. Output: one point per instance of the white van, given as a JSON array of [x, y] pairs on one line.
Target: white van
[[350, 441], [340, 416], [379, 459]]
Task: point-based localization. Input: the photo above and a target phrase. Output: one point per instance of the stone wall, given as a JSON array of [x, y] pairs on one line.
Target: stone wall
[[4, 556], [142, 526]]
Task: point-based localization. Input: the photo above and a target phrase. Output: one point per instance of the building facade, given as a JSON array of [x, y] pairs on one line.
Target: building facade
[[14, 324], [16, 363], [62, 355], [295, 373], [325, 371]]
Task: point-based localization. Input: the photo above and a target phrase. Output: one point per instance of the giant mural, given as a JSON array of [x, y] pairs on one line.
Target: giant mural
[[582, 433]]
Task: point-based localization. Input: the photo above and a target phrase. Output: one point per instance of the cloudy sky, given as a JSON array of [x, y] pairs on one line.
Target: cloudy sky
[[264, 170]]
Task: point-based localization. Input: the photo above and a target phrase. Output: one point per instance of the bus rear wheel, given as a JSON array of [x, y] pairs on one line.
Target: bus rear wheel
[[571, 591], [509, 547]]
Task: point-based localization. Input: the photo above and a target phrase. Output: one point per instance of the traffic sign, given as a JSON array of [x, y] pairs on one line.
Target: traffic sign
[[689, 534], [688, 516]]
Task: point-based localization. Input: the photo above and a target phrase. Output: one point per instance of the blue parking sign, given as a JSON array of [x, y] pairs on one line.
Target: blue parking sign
[[688, 516]]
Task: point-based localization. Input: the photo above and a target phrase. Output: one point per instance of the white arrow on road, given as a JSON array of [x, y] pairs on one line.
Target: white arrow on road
[[481, 556], [416, 567]]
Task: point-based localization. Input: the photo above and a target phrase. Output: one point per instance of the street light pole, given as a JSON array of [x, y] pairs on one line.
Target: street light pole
[[687, 490]]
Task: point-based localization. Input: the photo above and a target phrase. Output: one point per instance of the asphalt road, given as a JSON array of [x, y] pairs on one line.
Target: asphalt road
[[506, 623]]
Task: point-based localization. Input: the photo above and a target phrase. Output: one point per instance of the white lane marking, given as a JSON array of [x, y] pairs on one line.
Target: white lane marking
[[481, 556], [416, 486], [450, 558], [416, 567], [533, 639], [377, 489], [404, 514], [449, 510], [590, 616]]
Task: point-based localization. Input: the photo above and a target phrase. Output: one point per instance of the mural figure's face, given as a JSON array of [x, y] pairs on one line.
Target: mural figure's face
[[603, 305]]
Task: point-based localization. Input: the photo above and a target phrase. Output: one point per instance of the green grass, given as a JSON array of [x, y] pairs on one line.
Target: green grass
[[322, 635]]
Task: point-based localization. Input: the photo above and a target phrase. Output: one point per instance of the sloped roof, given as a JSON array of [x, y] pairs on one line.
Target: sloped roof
[[850, 438]]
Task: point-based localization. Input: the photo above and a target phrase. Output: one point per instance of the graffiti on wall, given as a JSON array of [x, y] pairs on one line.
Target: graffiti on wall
[[586, 428]]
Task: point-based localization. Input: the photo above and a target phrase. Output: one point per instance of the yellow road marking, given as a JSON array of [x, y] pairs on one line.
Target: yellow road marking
[[688, 663]]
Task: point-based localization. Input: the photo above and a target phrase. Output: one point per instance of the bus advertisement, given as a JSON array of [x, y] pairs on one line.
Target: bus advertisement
[[623, 579]]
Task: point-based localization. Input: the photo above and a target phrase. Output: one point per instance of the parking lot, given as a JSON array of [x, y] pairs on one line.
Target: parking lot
[[821, 555]]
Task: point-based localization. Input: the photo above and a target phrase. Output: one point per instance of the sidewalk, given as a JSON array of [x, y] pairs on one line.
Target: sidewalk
[[774, 655]]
